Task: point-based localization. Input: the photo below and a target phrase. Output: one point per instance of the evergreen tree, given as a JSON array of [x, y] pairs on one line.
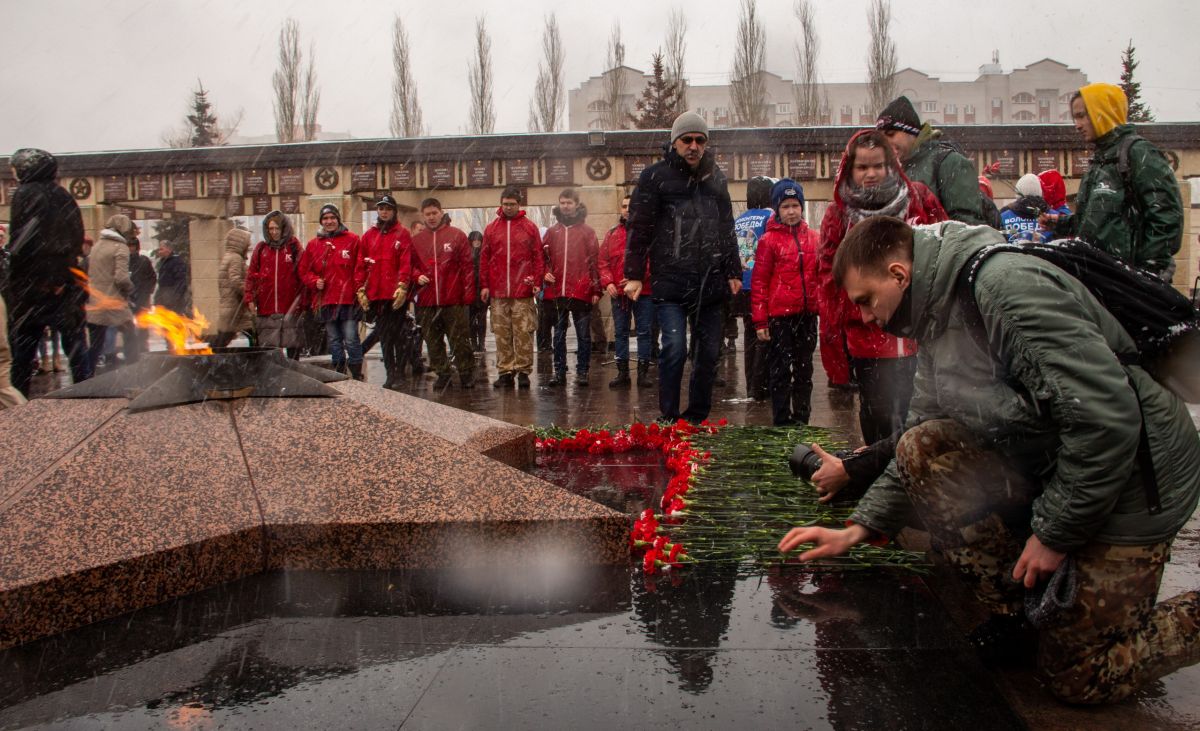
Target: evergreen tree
[[1138, 112], [656, 108], [175, 229], [204, 131]]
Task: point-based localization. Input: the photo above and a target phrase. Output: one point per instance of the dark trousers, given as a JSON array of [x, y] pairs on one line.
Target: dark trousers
[[884, 386], [642, 314], [706, 324], [547, 316], [754, 351], [442, 324], [793, 341], [580, 313], [25, 330], [97, 335], [479, 311], [390, 331]]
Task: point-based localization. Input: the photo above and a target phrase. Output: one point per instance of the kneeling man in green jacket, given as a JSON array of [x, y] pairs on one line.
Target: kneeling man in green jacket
[[1025, 452]]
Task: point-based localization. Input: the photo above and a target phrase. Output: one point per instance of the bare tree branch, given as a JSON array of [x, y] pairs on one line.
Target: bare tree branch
[[616, 114], [881, 56], [483, 111], [676, 50], [311, 99], [808, 82], [747, 87], [548, 95], [286, 81], [406, 108]]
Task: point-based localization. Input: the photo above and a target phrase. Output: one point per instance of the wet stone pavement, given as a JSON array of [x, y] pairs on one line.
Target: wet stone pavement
[[602, 649]]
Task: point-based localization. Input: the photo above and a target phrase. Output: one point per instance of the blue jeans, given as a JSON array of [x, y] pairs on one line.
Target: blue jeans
[[642, 312], [343, 342], [707, 325], [581, 313]]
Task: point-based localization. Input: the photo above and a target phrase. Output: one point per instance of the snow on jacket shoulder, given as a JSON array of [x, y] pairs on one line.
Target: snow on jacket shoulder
[[384, 261], [444, 255], [571, 256], [511, 264], [332, 258], [785, 272]]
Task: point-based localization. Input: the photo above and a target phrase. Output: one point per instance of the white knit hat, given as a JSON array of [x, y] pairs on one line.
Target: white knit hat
[[1029, 184]]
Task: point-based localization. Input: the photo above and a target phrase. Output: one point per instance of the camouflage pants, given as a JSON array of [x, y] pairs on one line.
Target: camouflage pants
[[1115, 638], [514, 322], [449, 322]]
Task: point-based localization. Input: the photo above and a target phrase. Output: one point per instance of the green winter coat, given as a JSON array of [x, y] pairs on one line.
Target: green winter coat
[[1147, 233], [1056, 402], [956, 183]]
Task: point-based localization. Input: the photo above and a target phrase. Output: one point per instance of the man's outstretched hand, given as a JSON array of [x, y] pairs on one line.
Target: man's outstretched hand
[[826, 541]]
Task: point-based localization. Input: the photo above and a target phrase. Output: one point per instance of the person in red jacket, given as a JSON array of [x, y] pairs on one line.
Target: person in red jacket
[[784, 303], [871, 182], [274, 291], [385, 271], [445, 274], [572, 283], [511, 268], [328, 269], [612, 279]]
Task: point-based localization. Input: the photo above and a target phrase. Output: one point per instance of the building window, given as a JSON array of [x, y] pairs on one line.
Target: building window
[[929, 106], [783, 108], [1024, 116], [598, 106], [951, 109], [1023, 98]]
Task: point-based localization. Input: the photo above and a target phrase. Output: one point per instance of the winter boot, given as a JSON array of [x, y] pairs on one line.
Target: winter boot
[[504, 380], [644, 378], [622, 379], [442, 381], [581, 378], [467, 380], [522, 380], [356, 371], [560, 377]]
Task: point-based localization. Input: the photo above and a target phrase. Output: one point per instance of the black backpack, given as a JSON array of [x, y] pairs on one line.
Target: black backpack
[[987, 207], [1164, 324]]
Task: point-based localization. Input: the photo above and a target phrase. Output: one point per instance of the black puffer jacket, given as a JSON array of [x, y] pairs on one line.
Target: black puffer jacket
[[46, 236], [682, 220]]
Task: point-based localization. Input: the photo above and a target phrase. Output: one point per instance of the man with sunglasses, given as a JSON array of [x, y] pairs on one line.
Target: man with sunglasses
[[681, 218]]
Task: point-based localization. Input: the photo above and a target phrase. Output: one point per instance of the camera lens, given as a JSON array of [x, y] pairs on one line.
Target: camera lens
[[804, 461]]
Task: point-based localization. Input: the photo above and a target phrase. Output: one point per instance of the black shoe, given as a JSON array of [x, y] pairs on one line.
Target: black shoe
[[644, 379], [622, 379], [522, 380], [557, 380], [581, 378], [356, 371], [442, 381], [505, 380], [1004, 639]]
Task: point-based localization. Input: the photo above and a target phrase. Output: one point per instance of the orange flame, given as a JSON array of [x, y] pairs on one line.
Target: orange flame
[[97, 300], [177, 329]]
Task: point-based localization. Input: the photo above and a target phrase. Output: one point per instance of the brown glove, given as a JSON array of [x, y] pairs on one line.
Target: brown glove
[[363, 302], [399, 297]]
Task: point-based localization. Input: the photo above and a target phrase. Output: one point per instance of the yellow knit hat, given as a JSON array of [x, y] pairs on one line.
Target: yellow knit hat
[[1106, 106]]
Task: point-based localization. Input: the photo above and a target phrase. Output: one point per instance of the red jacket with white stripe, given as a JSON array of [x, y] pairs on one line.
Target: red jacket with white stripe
[[332, 258], [385, 260], [784, 279], [511, 264], [444, 255], [612, 261], [571, 256]]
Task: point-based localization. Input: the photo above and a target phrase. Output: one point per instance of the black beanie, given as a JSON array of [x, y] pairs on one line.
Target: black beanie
[[899, 115], [330, 208]]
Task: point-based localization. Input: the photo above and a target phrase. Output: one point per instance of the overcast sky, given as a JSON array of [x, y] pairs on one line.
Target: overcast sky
[[116, 74]]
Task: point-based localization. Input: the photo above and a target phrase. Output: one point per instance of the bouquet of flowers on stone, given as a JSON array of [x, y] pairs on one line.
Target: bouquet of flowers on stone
[[731, 495]]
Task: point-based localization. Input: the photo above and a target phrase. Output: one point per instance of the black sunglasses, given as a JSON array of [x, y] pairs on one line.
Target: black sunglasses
[[697, 140]]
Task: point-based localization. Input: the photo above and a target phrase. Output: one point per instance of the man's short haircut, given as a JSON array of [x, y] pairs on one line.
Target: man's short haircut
[[431, 202], [569, 194], [871, 141], [871, 245], [1076, 95], [512, 192]]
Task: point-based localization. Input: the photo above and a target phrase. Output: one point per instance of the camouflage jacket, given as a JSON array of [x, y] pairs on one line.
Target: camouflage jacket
[[1144, 227], [1056, 401]]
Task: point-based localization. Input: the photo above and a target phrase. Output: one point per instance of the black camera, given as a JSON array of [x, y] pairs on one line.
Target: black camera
[[805, 462]]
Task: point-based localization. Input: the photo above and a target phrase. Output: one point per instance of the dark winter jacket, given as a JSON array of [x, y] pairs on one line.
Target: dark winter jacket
[[612, 261], [174, 285], [45, 236], [141, 271], [273, 283], [1020, 218], [954, 180], [785, 273], [385, 260], [333, 258], [682, 221], [511, 264], [444, 255], [571, 256], [837, 312], [1144, 226], [1054, 398]]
